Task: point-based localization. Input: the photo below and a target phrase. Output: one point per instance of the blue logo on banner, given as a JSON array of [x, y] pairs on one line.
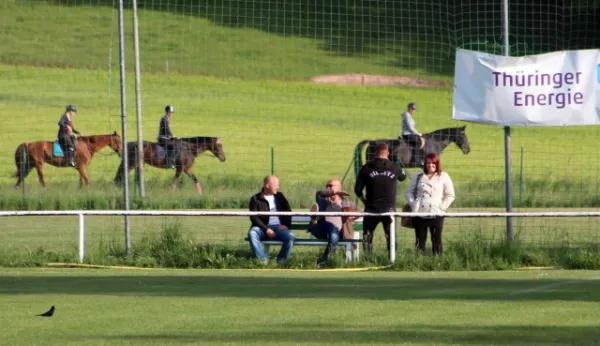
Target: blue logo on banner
[[598, 74]]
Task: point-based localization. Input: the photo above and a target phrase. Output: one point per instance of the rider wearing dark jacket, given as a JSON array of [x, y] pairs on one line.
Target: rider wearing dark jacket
[[65, 131], [166, 138]]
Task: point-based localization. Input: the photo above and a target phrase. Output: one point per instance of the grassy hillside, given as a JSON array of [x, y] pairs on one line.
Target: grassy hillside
[[231, 39]]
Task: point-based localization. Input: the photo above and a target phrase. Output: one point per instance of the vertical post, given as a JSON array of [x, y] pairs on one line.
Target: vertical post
[[507, 144], [272, 160], [356, 246], [81, 238], [110, 67], [521, 175], [393, 240], [124, 126], [24, 165], [138, 103]]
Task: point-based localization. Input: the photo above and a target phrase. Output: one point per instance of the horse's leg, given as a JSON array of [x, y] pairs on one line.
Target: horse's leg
[[83, 176], [190, 174], [177, 178], [40, 171], [21, 175]]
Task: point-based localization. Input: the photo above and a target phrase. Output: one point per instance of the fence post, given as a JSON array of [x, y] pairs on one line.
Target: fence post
[[81, 237], [24, 165], [521, 175], [272, 161], [393, 240]]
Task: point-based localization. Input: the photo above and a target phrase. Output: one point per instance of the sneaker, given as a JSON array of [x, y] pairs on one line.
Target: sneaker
[[314, 208]]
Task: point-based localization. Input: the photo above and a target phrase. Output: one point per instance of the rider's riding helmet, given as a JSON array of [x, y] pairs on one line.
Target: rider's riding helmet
[[169, 108], [71, 108], [412, 106]]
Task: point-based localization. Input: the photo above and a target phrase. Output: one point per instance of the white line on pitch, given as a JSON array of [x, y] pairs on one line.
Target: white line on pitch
[[553, 285]]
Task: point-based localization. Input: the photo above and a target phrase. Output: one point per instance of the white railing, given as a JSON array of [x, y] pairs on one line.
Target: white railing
[[82, 213]]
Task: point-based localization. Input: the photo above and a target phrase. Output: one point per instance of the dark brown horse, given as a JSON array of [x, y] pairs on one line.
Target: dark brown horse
[[190, 147], [34, 154], [402, 152]]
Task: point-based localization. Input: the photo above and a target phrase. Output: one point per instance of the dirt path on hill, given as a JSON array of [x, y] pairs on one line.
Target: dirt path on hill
[[376, 80]]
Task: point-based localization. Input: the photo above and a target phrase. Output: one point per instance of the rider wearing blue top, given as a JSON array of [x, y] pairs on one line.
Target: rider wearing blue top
[[409, 131], [65, 131]]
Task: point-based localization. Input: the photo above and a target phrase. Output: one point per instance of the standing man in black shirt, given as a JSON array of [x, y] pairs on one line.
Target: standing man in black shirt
[[380, 178]]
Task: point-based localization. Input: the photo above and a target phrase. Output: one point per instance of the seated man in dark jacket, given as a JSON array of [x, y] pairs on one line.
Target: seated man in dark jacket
[[270, 227]]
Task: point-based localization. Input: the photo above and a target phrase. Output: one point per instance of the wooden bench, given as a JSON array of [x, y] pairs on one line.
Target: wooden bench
[[351, 246]]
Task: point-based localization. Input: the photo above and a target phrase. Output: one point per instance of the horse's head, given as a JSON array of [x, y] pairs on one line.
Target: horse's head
[[461, 140], [216, 148], [115, 143]]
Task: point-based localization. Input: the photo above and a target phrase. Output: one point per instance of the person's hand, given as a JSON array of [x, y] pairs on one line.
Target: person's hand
[[270, 233]]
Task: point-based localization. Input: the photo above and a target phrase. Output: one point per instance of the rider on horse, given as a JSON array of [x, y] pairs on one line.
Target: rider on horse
[[166, 138], [65, 131], [409, 132]]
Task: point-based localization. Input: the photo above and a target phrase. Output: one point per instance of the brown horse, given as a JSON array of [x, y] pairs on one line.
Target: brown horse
[[34, 154], [155, 156]]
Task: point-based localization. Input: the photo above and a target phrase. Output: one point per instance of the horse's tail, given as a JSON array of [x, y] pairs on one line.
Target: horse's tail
[[358, 161], [119, 176], [131, 162], [22, 161]]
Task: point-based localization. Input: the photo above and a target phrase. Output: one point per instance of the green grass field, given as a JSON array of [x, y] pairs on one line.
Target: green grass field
[[170, 307]]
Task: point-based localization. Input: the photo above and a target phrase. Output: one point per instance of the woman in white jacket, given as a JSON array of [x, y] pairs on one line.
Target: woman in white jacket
[[430, 191]]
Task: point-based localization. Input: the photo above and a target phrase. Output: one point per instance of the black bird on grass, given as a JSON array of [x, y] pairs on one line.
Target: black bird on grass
[[48, 313]]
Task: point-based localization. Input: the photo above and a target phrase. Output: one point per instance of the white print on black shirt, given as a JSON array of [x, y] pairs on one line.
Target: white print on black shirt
[[388, 174]]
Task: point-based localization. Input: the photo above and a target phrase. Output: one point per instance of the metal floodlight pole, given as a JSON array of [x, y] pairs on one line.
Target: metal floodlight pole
[[124, 127], [138, 102], [507, 139]]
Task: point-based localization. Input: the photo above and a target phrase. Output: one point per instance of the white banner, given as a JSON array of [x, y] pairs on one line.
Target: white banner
[[554, 89]]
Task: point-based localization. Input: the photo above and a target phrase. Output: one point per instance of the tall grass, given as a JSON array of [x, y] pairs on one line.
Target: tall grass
[[233, 192], [173, 247]]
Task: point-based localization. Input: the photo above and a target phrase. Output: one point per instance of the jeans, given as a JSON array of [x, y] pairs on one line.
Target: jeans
[[256, 234], [370, 224], [326, 230]]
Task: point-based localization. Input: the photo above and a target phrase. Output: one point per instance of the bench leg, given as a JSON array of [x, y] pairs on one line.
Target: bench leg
[[267, 247], [348, 252]]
